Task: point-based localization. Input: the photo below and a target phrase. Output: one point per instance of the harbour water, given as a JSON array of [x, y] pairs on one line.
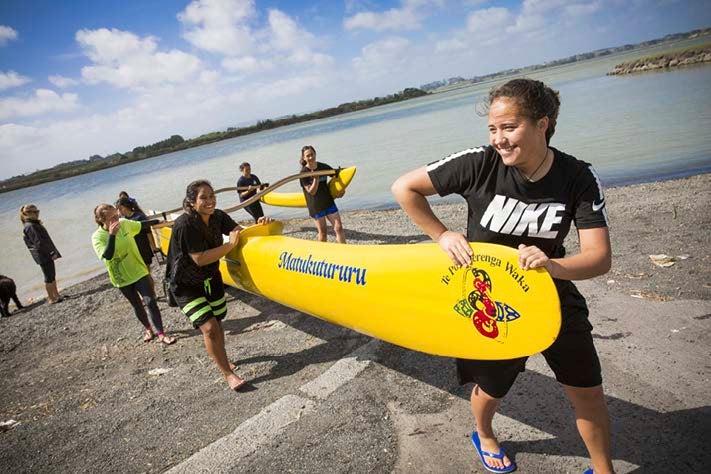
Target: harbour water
[[631, 128]]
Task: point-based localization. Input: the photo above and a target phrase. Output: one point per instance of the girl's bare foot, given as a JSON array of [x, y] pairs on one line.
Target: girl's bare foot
[[235, 382], [148, 337], [167, 340]]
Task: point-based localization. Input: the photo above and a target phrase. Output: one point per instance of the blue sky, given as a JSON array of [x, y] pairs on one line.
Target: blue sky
[[85, 77]]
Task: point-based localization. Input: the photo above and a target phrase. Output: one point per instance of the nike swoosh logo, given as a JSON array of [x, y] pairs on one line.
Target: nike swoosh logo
[[597, 206]]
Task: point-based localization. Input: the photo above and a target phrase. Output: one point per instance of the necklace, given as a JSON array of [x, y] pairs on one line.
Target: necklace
[[530, 178]]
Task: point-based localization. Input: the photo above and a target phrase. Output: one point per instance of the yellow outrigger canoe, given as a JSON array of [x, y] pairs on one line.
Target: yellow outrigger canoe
[[409, 295], [336, 186]]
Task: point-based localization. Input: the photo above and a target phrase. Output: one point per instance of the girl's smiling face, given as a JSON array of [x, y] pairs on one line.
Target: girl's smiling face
[[514, 135], [309, 157], [205, 201]]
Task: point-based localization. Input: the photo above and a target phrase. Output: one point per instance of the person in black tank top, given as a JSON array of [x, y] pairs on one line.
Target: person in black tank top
[[525, 194]]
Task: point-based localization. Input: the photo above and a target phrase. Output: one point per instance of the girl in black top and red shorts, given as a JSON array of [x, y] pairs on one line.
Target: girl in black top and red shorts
[[523, 193]]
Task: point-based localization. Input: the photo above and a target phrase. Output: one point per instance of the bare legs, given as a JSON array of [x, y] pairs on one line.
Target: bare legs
[[484, 408], [52, 292], [593, 422], [335, 220], [591, 416], [321, 228], [214, 336]]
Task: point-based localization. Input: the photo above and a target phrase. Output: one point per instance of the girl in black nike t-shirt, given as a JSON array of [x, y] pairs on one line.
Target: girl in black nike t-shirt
[[523, 193]]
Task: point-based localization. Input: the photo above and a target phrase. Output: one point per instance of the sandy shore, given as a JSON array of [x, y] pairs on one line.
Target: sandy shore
[[75, 375]]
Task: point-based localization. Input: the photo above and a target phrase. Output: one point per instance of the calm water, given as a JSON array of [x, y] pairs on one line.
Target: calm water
[[631, 128]]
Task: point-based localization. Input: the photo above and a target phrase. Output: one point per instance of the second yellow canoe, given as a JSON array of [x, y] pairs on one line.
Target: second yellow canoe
[[336, 186]]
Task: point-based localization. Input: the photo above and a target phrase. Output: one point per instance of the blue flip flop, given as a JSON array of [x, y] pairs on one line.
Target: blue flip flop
[[588, 471], [500, 455]]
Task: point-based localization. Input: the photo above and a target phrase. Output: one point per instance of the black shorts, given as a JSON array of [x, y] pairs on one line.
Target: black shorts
[[200, 303], [255, 210], [572, 357], [49, 271]]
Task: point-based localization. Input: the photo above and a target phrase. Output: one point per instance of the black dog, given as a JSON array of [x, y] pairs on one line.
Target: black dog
[[7, 291]]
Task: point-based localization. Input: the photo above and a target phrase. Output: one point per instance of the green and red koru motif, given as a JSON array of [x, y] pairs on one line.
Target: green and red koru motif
[[484, 312]]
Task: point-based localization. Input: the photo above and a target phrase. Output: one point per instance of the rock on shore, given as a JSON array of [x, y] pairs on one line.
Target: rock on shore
[[672, 60]]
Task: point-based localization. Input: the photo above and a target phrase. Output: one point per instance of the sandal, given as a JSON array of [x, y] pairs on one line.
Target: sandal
[[148, 337], [500, 455]]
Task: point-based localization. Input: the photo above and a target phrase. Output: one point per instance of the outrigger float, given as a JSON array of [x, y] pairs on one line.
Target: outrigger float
[[409, 295]]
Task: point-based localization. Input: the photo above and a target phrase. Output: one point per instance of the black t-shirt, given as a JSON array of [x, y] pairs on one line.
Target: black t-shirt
[[504, 208], [191, 235], [322, 200], [251, 181]]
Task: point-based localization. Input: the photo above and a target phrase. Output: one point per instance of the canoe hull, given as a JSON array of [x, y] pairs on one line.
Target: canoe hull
[[409, 295], [336, 186]]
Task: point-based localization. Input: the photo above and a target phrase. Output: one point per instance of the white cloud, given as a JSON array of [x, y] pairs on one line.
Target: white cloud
[[42, 102], [219, 26], [7, 34], [408, 17], [14, 137], [12, 79], [62, 82], [541, 6], [582, 9], [247, 65], [310, 58], [286, 36], [540, 17], [291, 86], [529, 24], [395, 19], [382, 57], [453, 44], [482, 28], [124, 60], [488, 20]]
